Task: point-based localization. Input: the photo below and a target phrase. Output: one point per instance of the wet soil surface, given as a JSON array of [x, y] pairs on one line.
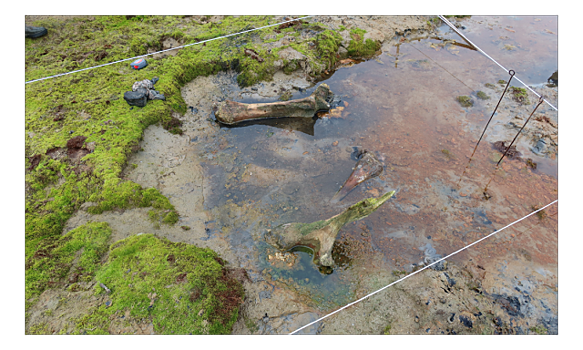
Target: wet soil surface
[[230, 185]]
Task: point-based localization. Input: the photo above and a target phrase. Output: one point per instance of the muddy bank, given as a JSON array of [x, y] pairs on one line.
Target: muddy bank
[[229, 185]]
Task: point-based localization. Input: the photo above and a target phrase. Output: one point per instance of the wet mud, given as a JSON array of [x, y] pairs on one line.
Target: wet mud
[[230, 184]]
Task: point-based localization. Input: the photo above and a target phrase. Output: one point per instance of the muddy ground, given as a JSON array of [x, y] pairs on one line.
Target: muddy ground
[[515, 293]]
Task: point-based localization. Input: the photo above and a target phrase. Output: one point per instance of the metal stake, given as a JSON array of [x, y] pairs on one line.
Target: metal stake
[[511, 72], [540, 101]]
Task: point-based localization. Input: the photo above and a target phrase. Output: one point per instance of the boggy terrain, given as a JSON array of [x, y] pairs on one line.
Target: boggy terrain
[[208, 193]]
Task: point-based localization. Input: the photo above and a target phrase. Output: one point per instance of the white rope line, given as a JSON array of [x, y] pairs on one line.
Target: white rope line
[[493, 60], [425, 267], [173, 48]]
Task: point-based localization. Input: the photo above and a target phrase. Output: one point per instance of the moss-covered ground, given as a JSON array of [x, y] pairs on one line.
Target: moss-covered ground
[[63, 173], [360, 47], [180, 288], [71, 258]]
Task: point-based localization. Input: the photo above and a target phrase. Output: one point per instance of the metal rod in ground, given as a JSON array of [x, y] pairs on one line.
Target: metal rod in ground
[[511, 72], [540, 101]]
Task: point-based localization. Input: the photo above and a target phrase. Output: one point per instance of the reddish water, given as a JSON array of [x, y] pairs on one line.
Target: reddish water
[[403, 107]]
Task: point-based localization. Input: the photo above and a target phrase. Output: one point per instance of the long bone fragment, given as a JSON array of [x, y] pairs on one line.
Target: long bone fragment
[[320, 235], [367, 167], [231, 112]]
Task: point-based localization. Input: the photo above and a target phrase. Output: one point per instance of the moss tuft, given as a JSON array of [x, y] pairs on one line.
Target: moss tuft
[[286, 96], [180, 288], [519, 95], [358, 47], [482, 95], [465, 101], [327, 44], [67, 259]]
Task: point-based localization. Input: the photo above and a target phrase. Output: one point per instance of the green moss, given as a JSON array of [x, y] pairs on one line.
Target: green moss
[[286, 96], [74, 256], [170, 218], [127, 194], [447, 154], [519, 95], [251, 325], [490, 86], [530, 163], [398, 273], [539, 329], [358, 47], [181, 288], [39, 329], [541, 214], [465, 101], [482, 95], [502, 82], [290, 66], [387, 330], [253, 71], [327, 44]]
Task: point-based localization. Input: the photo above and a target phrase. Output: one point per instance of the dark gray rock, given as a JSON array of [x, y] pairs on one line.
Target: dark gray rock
[[136, 98], [155, 95], [466, 321], [34, 32], [147, 87]]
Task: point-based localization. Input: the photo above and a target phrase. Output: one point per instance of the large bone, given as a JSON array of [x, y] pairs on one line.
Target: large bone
[[368, 166], [320, 235], [231, 112]]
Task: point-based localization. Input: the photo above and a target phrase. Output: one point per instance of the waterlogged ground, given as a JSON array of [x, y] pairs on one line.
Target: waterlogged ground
[[230, 185]]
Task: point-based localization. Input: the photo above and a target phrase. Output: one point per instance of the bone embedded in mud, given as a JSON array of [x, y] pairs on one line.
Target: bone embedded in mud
[[231, 112], [367, 167], [320, 235]]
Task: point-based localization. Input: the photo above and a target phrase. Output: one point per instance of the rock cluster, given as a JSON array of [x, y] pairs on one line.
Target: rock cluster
[[142, 91]]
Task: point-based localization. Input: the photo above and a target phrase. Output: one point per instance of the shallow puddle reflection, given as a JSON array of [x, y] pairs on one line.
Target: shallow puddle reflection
[[404, 107]]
